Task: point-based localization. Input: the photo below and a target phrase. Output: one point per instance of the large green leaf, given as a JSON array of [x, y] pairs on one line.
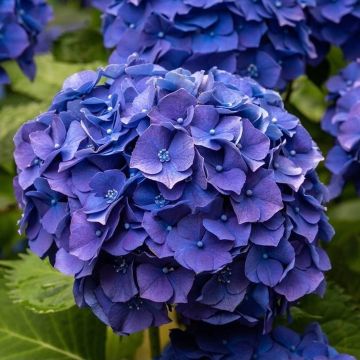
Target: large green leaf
[[338, 315], [68, 335], [49, 78], [35, 284], [88, 43], [308, 99]]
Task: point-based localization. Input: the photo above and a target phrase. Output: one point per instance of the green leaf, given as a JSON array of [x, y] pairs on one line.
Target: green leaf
[[336, 60], [338, 316], [122, 347], [49, 78], [73, 334], [308, 99], [35, 284], [87, 42], [348, 211]]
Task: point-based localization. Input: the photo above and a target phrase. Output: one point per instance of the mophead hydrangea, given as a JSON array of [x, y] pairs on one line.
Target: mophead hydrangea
[[21, 21], [234, 342], [342, 121], [160, 188], [268, 40]]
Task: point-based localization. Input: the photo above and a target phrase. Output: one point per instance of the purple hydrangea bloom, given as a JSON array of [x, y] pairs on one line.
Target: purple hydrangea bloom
[[158, 188], [268, 40], [20, 24], [342, 121], [336, 23], [203, 341]]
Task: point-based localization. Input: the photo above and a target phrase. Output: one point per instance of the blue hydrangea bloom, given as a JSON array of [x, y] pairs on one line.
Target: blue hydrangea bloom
[[21, 21], [234, 342], [342, 121], [156, 188], [336, 23], [268, 40]]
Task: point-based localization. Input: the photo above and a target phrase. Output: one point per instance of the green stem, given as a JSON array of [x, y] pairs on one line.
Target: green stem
[[154, 336]]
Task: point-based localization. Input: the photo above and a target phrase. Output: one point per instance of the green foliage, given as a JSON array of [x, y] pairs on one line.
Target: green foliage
[[35, 284], [87, 42], [344, 250], [68, 335], [338, 316], [308, 99], [49, 78], [122, 347]]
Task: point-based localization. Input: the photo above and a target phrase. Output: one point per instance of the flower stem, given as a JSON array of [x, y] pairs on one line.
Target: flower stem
[[154, 336]]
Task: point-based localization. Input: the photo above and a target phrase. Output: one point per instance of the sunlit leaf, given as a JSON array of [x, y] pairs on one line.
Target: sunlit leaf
[[35, 284]]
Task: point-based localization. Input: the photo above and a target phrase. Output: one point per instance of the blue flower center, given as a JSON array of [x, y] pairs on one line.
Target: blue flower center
[[109, 131], [292, 152], [180, 120], [292, 348], [278, 3], [224, 276], [135, 304], [265, 256], [223, 217], [98, 233], [120, 265], [111, 195], [56, 146], [53, 202], [169, 228], [249, 192], [212, 132], [131, 25], [252, 71], [160, 34], [200, 244], [164, 156], [127, 226], [160, 201], [219, 168]]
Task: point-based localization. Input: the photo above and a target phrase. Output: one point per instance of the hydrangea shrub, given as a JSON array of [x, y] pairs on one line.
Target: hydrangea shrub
[[241, 343], [158, 188], [21, 21], [342, 121]]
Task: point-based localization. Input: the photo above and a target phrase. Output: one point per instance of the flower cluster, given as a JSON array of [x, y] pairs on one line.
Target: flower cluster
[[21, 21], [268, 40], [158, 188], [336, 23], [342, 120], [241, 343]]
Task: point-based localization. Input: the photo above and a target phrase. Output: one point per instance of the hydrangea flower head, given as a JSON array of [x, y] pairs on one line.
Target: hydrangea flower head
[[342, 121], [268, 40], [202, 341], [336, 23], [158, 188], [20, 24]]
